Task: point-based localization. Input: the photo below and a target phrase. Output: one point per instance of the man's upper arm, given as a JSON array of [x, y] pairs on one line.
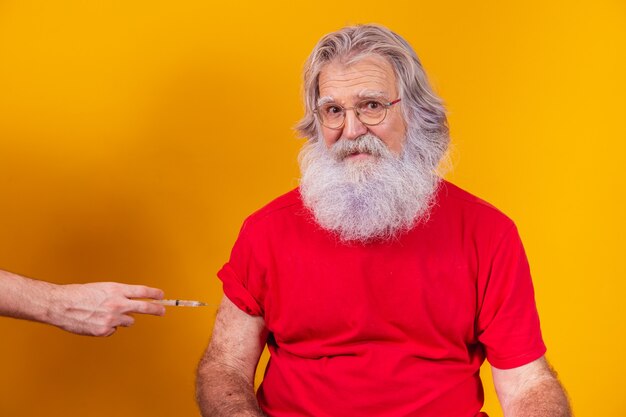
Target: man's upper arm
[[237, 341], [530, 387]]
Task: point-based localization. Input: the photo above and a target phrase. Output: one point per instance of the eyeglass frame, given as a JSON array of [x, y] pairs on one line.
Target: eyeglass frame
[[387, 105]]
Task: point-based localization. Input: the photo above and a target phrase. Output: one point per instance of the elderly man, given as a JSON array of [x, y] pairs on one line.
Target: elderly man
[[378, 287]]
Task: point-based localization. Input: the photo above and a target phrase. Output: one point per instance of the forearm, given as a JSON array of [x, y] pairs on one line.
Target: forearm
[[25, 298], [546, 398], [223, 391]]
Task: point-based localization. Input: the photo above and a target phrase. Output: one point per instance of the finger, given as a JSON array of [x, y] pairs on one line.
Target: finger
[[141, 291], [106, 333], [146, 307], [126, 321]]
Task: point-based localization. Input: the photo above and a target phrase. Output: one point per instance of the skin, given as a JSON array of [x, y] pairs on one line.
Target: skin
[[225, 380], [94, 309], [531, 390], [346, 85], [225, 383]]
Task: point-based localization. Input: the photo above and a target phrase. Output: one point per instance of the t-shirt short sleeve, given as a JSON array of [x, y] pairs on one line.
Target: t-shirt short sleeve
[[508, 322], [242, 277]]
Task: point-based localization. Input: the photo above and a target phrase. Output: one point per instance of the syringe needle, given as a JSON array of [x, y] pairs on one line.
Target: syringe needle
[[181, 303]]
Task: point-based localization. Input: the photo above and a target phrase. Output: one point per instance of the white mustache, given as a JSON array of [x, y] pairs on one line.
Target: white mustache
[[367, 143]]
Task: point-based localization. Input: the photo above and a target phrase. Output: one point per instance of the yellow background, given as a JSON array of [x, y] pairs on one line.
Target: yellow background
[[136, 136]]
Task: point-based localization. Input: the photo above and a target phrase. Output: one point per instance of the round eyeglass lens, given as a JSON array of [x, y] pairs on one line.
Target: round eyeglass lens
[[371, 112]]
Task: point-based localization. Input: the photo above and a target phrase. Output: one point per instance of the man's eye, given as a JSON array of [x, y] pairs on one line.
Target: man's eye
[[332, 110], [372, 105]]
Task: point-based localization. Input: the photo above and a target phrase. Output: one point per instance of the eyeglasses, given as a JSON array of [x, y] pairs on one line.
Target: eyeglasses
[[370, 112]]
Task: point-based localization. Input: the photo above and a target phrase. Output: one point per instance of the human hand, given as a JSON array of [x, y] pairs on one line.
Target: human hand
[[97, 309]]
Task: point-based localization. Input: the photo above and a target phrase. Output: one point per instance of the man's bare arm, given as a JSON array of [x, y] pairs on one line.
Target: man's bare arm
[[531, 390], [225, 381]]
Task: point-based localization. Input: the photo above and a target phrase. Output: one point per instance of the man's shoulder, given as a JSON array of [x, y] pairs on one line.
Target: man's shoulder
[[461, 196], [279, 208], [458, 199]]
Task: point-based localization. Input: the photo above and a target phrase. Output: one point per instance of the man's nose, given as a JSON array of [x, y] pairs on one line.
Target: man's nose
[[352, 126]]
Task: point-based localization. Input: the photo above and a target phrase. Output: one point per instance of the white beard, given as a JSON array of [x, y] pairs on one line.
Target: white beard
[[376, 198]]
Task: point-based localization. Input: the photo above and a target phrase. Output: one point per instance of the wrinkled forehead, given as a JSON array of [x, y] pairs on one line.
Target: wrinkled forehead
[[371, 75]]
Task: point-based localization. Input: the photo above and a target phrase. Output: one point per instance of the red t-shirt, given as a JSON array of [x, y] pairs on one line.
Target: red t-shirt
[[392, 329]]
